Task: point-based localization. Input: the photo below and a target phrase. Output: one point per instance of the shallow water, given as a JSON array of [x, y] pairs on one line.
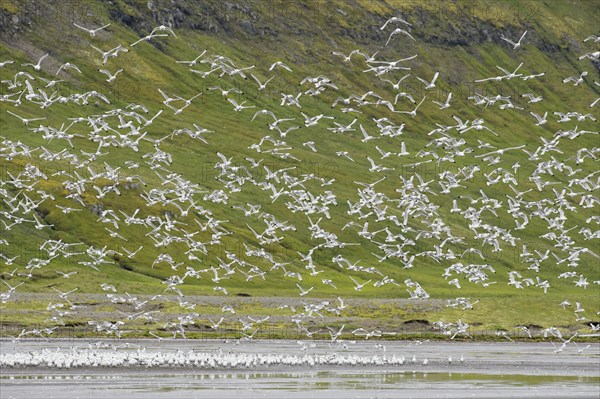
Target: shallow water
[[490, 370]]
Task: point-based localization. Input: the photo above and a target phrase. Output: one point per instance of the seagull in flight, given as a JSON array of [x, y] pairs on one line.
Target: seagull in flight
[[540, 119], [577, 80], [394, 19], [111, 77], [92, 32], [150, 36], [261, 86], [532, 98], [263, 112], [66, 66], [359, 286], [163, 28], [304, 292], [594, 38], [369, 185], [239, 107], [65, 275], [594, 56], [37, 66], [399, 30], [515, 45], [429, 85], [413, 113], [445, 104], [510, 75], [366, 136], [192, 62], [396, 86], [25, 120], [345, 57], [216, 325], [344, 154], [279, 64]]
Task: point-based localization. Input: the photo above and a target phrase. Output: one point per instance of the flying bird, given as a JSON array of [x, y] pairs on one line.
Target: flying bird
[[279, 64], [111, 77], [398, 31], [394, 19], [92, 32], [515, 45], [36, 66]]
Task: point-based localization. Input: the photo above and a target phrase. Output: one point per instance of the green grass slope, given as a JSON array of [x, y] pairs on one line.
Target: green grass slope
[[460, 40]]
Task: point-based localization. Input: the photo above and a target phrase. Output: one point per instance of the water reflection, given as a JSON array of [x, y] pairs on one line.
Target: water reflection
[[319, 379]]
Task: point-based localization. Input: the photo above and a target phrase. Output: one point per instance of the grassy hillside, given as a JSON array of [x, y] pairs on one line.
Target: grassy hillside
[[461, 41]]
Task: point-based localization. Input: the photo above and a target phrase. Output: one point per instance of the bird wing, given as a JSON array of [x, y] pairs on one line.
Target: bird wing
[[97, 49], [423, 81], [255, 78], [522, 36], [364, 132], [81, 27], [507, 40], [536, 116], [520, 65], [503, 70], [407, 34], [391, 35], [163, 94]]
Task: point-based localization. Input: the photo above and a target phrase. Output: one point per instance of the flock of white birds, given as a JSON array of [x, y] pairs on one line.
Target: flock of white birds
[[391, 224], [140, 357]]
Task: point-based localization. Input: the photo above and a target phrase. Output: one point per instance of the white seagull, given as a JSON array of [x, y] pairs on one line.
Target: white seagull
[[111, 77], [66, 66], [151, 36], [25, 120], [359, 286], [394, 19], [279, 64], [92, 32], [595, 38], [399, 30], [540, 119], [445, 104], [37, 66], [192, 62], [429, 85], [577, 80], [304, 292], [515, 45], [65, 275], [261, 86], [239, 107]]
